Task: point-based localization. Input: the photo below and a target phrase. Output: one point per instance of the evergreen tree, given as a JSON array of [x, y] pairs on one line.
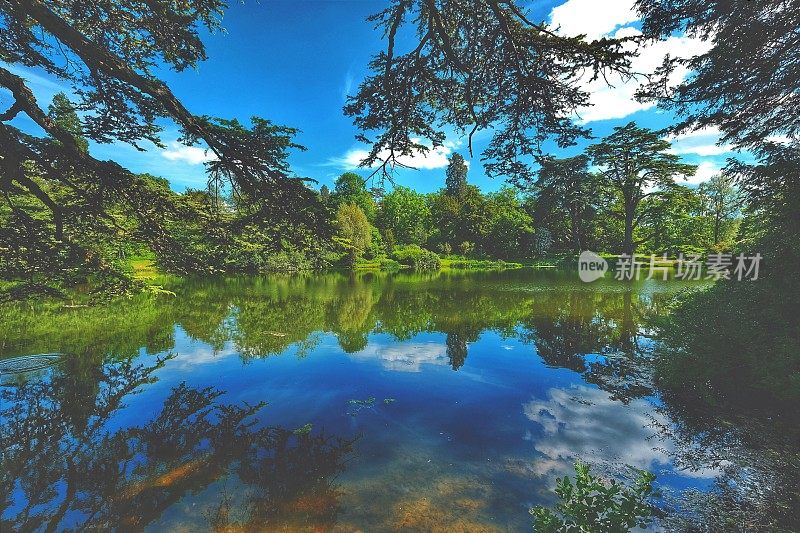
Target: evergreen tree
[[476, 65], [456, 180], [62, 112], [636, 164]]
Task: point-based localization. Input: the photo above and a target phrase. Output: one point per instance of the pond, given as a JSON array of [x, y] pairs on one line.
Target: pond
[[373, 402]]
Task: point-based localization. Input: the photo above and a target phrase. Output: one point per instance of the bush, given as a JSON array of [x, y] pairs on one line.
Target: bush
[[389, 264], [416, 257], [597, 506]]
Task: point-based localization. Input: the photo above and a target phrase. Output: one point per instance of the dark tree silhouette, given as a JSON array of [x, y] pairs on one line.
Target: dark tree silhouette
[[475, 64], [746, 83], [61, 475], [106, 52]]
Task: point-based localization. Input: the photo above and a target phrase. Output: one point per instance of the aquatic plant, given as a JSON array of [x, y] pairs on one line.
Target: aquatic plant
[[597, 506]]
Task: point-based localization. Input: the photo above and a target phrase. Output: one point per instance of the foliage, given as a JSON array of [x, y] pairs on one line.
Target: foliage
[[565, 186], [406, 214], [475, 65], [509, 226], [743, 82], [592, 505], [389, 241], [354, 230], [415, 257], [376, 247], [78, 215], [636, 165], [456, 175], [722, 202], [350, 188], [735, 343], [458, 218]]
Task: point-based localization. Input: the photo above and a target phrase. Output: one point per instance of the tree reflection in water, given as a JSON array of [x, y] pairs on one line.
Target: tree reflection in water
[[757, 454], [63, 469]]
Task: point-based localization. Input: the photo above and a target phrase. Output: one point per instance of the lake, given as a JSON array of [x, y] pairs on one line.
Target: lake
[[448, 401]]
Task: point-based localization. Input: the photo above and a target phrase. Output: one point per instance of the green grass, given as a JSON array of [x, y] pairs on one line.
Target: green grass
[[143, 269], [464, 263]]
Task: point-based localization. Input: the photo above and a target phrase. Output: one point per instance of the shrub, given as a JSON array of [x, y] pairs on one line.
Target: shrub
[[416, 257], [593, 505], [389, 264]]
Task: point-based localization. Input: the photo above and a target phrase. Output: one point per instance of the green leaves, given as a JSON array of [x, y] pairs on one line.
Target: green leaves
[[593, 505], [475, 65], [354, 231], [746, 78], [636, 165]]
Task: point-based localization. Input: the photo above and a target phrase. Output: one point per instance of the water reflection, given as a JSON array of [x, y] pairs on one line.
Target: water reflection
[[497, 382], [268, 316], [66, 465]]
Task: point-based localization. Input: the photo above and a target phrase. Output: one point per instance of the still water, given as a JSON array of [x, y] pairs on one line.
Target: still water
[[375, 402]]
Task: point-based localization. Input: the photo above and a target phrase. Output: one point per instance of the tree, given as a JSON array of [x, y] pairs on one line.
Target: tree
[[106, 53], [406, 214], [62, 112], [744, 82], [456, 180], [565, 186], [673, 222], [722, 201], [636, 164], [325, 194], [459, 219], [509, 225], [350, 188], [475, 65], [355, 231]]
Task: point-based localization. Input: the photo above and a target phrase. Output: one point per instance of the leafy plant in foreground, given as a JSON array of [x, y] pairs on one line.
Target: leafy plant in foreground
[[594, 505]]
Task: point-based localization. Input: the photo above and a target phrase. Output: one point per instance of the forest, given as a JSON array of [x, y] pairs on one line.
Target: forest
[[564, 209]]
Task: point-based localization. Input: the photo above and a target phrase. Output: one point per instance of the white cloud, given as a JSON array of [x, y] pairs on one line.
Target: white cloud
[[701, 142], [188, 154], [617, 100], [599, 19], [432, 159], [592, 18], [584, 423], [779, 139], [705, 171], [347, 86], [201, 354], [38, 80], [405, 357]]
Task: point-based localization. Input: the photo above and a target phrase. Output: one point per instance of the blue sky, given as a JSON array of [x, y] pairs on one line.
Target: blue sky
[[295, 62]]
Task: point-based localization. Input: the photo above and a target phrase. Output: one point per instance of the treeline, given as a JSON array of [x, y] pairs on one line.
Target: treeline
[[624, 195], [53, 238], [588, 201]]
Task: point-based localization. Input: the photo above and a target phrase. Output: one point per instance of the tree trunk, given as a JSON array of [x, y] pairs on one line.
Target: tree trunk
[[576, 232], [628, 245]]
